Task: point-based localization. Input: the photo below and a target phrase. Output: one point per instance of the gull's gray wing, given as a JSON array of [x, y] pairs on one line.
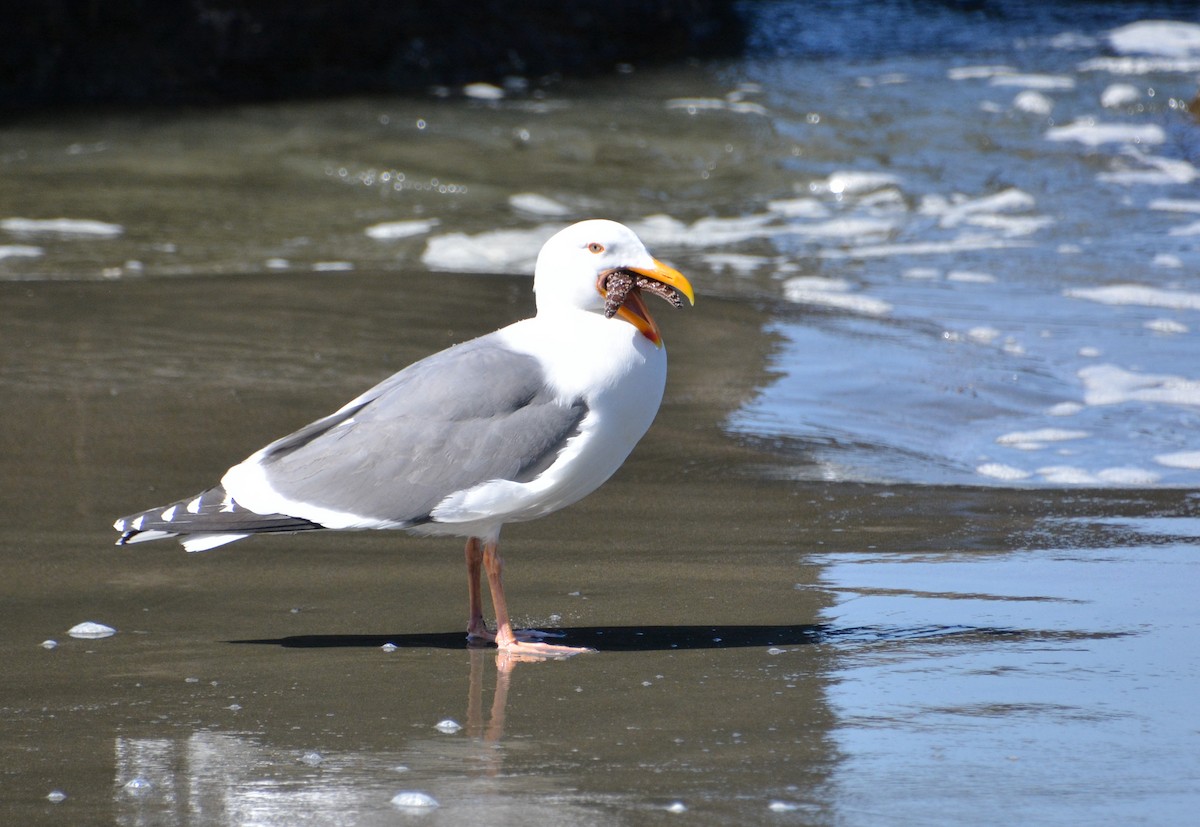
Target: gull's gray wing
[[475, 412]]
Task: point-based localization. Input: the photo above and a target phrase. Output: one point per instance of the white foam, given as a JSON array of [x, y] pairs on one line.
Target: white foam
[[536, 204], [1072, 41], [1185, 229], [847, 227], [1180, 459], [1066, 475], [1137, 294], [799, 208], [970, 277], [1127, 476], [695, 105], [1064, 409], [497, 251], [414, 800], [1160, 38], [663, 230], [1037, 439], [983, 335], [1140, 65], [62, 227], [1111, 385], [853, 182], [965, 243], [952, 212], [999, 471], [20, 251], [483, 91], [1034, 81], [1169, 260], [1155, 170], [91, 630], [1090, 133], [1033, 102], [392, 230], [978, 72], [1011, 225], [332, 266], [1118, 95], [1167, 327], [922, 273], [834, 293], [739, 263], [1176, 204]]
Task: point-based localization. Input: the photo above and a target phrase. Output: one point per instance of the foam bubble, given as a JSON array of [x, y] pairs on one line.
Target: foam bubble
[[62, 227], [20, 251], [90, 630], [1033, 102], [414, 800], [1034, 440], [970, 277], [799, 208], [391, 230], [497, 251], [1137, 294], [1140, 65], [852, 182], [834, 293], [1118, 95], [953, 212], [483, 91], [1180, 459], [1167, 327], [1161, 38], [1111, 385], [1138, 168], [983, 335], [1091, 133], [1185, 229], [999, 471], [1034, 81], [739, 263], [978, 72], [536, 204], [1176, 204]]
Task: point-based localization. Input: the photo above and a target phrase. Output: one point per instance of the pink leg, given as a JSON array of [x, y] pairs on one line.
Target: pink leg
[[476, 626], [506, 640]]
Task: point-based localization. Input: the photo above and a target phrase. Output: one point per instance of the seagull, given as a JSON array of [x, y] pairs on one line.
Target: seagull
[[503, 428]]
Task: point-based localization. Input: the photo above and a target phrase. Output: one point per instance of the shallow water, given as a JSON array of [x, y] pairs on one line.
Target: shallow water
[[912, 540]]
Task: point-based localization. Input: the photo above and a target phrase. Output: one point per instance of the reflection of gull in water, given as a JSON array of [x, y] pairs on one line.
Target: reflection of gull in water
[[238, 779]]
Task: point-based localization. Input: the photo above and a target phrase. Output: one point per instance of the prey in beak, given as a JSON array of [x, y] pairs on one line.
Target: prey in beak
[[622, 291]]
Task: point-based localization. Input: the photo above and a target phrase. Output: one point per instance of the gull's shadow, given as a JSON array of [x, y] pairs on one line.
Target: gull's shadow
[[667, 638], [602, 638]]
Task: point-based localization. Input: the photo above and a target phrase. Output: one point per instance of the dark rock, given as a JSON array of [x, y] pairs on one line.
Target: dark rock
[[209, 51]]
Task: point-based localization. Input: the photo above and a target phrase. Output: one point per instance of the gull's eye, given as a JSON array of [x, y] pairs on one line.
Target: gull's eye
[[596, 248]]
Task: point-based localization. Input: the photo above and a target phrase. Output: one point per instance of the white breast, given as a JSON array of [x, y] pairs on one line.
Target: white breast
[[617, 372]]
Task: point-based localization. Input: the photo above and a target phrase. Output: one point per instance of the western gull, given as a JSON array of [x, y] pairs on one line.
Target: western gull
[[503, 428]]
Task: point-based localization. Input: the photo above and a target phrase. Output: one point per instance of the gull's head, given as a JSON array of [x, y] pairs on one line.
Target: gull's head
[[573, 266]]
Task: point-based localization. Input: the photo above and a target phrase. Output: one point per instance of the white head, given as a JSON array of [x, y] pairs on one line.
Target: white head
[[569, 268]]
